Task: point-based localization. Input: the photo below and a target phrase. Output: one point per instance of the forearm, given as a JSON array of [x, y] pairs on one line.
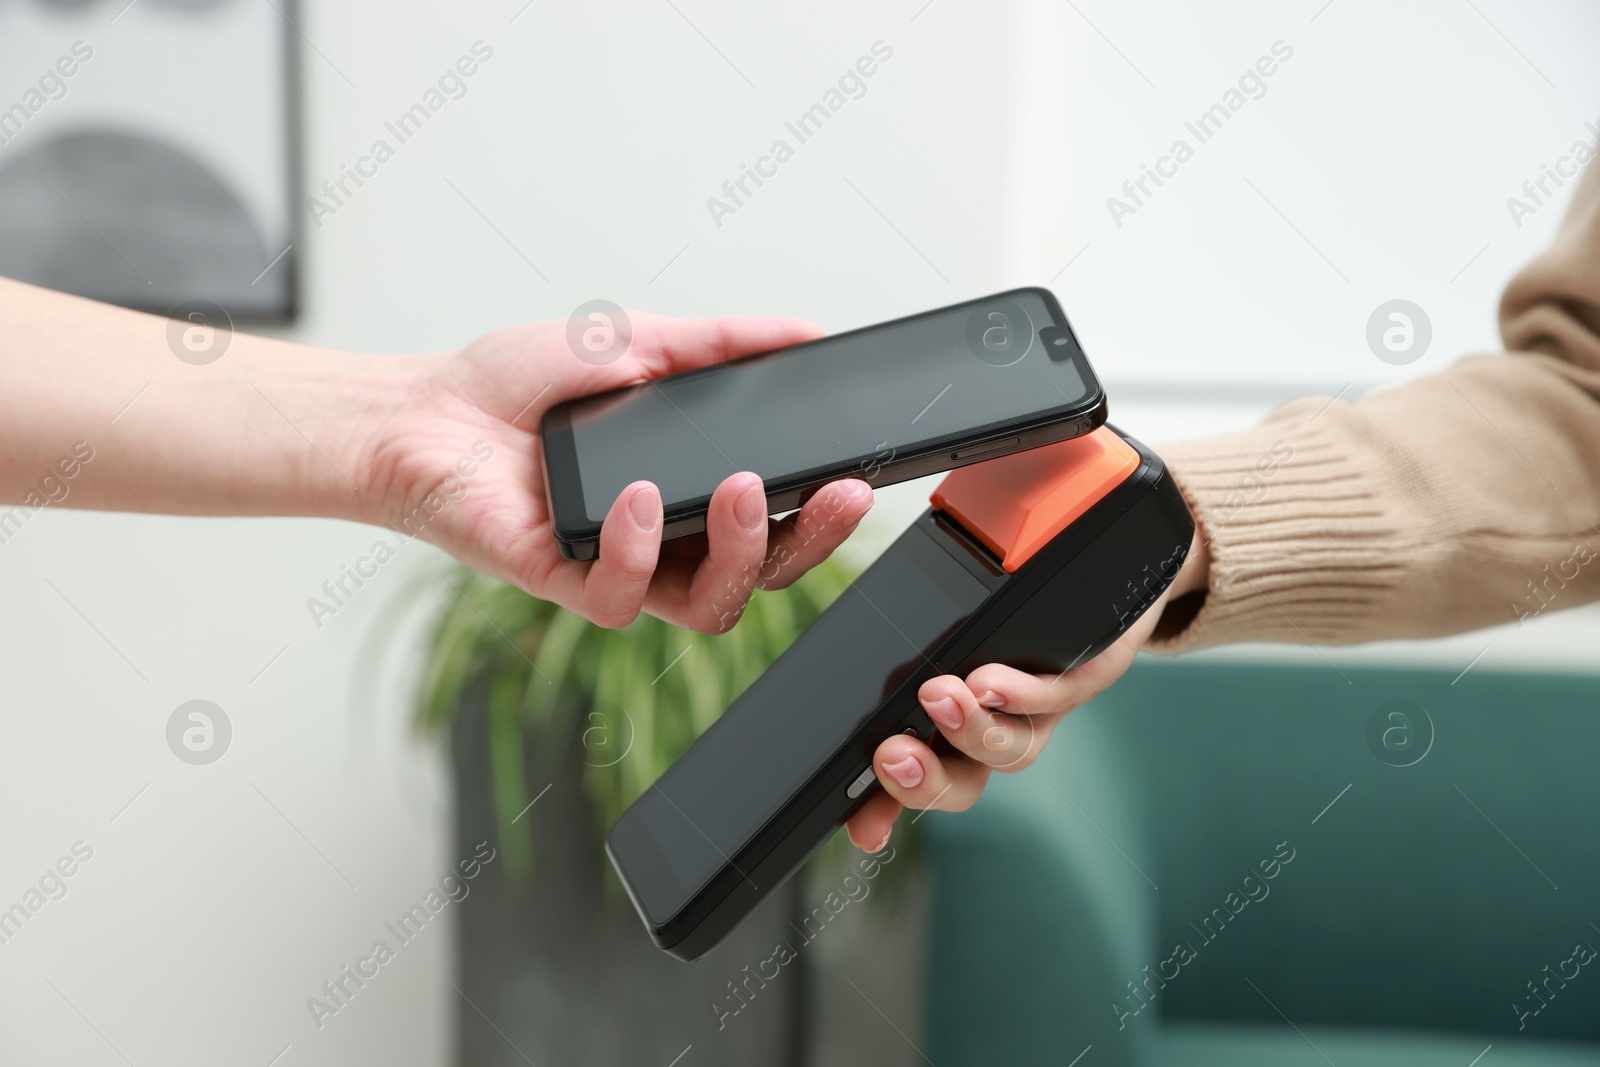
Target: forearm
[[97, 411], [1462, 500]]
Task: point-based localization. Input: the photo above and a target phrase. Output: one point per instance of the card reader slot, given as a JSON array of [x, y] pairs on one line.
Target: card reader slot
[[976, 550]]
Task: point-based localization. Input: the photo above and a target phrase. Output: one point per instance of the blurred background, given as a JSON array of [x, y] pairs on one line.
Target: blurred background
[[202, 150]]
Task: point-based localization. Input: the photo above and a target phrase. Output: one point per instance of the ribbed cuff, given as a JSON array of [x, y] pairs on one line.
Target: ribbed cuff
[[1302, 545]]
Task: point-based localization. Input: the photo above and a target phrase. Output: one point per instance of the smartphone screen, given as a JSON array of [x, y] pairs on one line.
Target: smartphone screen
[[838, 405], [788, 724]]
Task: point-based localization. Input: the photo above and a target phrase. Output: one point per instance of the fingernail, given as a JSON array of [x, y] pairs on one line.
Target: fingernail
[[907, 773], [750, 507], [645, 509], [881, 845], [946, 712], [991, 699], [844, 495]]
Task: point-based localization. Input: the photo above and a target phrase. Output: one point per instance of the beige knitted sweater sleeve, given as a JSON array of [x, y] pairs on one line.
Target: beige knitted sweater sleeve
[[1465, 499]]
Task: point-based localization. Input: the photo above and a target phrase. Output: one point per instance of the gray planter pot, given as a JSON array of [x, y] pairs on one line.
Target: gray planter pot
[[555, 972]]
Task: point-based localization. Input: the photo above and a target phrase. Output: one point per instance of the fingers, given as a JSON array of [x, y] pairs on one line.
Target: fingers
[[870, 827], [1014, 692], [972, 721], [615, 586], [913, 776], [1003, 718], [709, 594], [1062, 692], [667, 346], [917, 777], [736, 536], [809, 536], [998, 718]]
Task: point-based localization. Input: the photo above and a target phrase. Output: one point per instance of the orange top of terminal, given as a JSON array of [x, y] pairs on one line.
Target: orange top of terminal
[[1016, 504]]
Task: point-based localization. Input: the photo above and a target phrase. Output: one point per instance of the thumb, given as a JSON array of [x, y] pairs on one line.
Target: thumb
[[668, 346]]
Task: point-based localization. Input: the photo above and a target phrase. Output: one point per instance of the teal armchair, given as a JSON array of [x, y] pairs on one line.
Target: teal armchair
[[1218, 863]]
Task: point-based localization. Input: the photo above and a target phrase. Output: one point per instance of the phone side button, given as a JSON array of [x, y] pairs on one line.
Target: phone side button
[[984, 450], [859, 786]]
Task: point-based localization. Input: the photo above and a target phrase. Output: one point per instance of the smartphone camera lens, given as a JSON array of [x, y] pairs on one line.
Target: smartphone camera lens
[[1058, 341]]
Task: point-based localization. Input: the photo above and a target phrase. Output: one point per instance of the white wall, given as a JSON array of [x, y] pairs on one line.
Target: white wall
[[983, 153]]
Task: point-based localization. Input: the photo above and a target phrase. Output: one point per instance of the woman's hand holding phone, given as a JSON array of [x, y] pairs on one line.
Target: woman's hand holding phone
[[998, 719], [900, 399], [485, 403]]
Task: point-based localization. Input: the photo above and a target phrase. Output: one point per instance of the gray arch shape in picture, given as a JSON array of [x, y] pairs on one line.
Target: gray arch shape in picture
[[123, 218]]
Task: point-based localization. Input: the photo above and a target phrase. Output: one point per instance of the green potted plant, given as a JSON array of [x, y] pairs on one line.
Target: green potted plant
[[555, 726], [635, 697]]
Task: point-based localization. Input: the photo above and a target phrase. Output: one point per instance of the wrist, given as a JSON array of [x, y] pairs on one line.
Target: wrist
[[305, 420], [353, 407]]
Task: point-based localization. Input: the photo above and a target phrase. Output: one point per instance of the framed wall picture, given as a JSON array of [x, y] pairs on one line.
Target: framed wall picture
[[147, 152]]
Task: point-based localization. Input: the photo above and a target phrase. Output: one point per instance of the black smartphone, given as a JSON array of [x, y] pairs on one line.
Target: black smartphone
[[885, 403], [1040, 562]]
